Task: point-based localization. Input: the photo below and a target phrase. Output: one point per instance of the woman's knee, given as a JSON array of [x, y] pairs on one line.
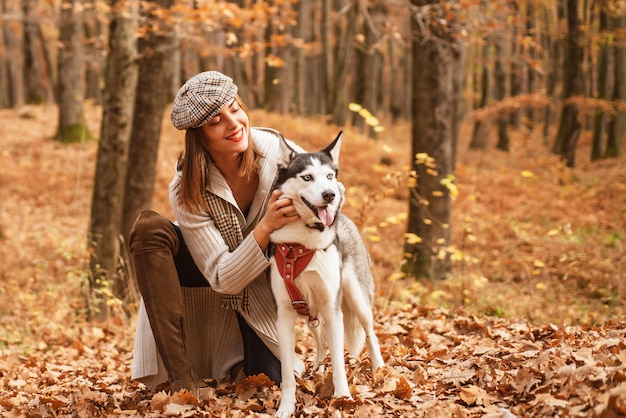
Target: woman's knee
[[151, 232]]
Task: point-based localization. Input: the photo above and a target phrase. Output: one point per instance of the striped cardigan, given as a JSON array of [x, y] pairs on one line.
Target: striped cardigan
[[212, 335]]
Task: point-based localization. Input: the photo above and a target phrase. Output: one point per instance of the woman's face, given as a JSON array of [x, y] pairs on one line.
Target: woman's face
[[227, 132]]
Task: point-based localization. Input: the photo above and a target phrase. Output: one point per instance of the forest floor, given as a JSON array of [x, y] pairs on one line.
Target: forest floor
[[531, 322]]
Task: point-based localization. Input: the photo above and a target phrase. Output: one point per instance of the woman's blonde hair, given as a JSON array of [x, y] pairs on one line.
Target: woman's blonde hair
[[194, 164]]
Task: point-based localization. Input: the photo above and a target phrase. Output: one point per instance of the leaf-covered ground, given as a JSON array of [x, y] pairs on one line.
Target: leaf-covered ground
[[531, 323]]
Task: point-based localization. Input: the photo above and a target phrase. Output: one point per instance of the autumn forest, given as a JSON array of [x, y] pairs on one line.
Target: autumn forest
[[482, 159]]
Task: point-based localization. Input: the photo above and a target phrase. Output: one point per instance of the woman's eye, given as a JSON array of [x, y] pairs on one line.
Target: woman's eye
[[307, 177]]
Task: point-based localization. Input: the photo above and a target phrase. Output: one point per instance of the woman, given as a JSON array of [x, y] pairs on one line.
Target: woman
[[207, 309]]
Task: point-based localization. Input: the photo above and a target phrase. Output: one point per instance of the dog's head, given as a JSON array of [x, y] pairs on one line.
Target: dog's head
[[309, 179]]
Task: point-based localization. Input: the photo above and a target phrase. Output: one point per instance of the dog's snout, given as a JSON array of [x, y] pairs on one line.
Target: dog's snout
[[328, 196]]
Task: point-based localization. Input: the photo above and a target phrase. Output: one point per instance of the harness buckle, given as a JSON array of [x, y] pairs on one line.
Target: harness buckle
[[299, 305]]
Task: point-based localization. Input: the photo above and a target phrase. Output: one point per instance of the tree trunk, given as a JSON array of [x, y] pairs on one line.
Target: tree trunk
[[155, 69], [552, 44], [479, 135], [300, 104], [617, 126], [437, 59], [327, 59], [570, 126], [13, 40], [499, 94], [368, 62], [108, 194], [516, 70], [70, 85], [531, 52], [94, 30], [344, 63], [599, 121], [37, 74]]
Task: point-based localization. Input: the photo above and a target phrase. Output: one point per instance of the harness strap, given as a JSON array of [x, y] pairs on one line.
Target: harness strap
[[291, 260]]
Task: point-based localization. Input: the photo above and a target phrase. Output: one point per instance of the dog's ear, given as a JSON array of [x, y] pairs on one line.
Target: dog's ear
[[286, 153], [334, 148]]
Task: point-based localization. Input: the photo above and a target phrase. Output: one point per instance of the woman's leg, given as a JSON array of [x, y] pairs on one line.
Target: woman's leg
[[163, 264], [257, 358], [153, 243]]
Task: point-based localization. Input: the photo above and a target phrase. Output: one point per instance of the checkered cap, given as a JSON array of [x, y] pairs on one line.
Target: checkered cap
[[201, 98]]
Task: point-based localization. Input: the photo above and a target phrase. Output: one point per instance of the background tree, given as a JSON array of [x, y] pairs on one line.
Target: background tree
[[570, 125], [37, 66], [13, 63], [480, 131], [156, 45], [437, 52], [599, 122], [617, 126], [71, 80], [499, 84], [108, 194]]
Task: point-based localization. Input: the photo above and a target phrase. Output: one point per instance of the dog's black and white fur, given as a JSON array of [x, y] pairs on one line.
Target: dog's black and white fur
[[337, 284]]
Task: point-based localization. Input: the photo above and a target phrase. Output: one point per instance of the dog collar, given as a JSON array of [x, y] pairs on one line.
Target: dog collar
[[291, 260]]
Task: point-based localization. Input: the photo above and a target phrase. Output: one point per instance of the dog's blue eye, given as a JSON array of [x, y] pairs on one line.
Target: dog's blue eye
[[307, 177], [330, 176]]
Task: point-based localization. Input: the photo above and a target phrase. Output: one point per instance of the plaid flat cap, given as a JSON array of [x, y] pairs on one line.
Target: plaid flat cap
[[201, 98]]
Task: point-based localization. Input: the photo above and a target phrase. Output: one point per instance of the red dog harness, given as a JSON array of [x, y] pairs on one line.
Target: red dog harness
[[291, 260]]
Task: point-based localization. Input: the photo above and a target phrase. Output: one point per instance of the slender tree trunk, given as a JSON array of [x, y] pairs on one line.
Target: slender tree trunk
[[13, 40], [94, 52], [437, 57], [108, 195], [344, 63], [499, 93], [155, 69], [300, 32], [326, 83], [479, 135], [71, 81], [599, 121], [368, 62], [570, 126], [617, 127], [516, 70], [554, 46], [531, 53], [37, 74]]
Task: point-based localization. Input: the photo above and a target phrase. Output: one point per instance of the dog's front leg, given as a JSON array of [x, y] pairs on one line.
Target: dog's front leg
[[286, 325], [334, 333]]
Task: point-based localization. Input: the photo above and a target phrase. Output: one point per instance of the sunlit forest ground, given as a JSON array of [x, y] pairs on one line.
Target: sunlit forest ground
[[532, 240]]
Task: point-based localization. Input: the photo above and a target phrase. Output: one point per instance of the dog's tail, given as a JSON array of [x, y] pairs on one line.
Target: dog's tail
[[354, 332]]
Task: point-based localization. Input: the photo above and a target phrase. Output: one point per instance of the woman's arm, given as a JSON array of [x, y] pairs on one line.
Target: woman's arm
[[227, 272], [230, 272]]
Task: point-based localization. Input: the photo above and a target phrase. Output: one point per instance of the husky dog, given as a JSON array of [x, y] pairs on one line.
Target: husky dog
[[320, 269]]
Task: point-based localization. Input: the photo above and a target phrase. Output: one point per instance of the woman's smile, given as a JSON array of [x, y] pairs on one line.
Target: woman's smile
[[237, 136]]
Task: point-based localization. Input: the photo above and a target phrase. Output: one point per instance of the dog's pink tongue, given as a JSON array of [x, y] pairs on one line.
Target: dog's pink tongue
[[325, 215]]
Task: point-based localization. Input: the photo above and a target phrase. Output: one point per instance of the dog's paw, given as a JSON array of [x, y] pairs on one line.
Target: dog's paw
[[285, 411]]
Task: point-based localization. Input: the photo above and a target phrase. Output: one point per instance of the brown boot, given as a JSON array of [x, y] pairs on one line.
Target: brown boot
[[153, 243]]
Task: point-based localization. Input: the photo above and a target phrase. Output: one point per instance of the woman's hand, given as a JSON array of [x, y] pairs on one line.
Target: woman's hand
[[280, 212]]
